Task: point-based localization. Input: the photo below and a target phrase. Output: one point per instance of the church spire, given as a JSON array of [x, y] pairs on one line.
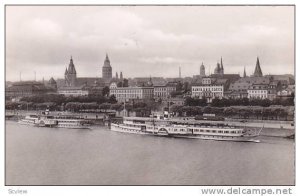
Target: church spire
[[257, 72], [106, 58], [221, 61], [244, 72], [222, 68]]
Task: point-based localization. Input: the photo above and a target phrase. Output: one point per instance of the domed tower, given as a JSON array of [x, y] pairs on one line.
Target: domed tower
[[106, 69], [70, 74], [217, 69], [202, 70]]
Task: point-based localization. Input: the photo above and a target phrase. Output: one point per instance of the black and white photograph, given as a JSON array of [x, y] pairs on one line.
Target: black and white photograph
[[200, 95]]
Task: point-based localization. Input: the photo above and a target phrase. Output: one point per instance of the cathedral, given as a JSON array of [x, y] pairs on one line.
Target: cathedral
[[71, 79]]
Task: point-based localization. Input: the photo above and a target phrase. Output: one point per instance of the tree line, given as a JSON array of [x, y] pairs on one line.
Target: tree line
[[238, 112], [98, 103], [189, 101]]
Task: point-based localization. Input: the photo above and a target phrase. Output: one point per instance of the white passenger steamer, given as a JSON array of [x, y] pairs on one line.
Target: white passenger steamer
[[70, 122], [185, 129]]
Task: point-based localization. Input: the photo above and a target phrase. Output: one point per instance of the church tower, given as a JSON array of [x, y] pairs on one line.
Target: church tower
[[121, 76], [202, 70], [70, 74], [106, 69], [257, 72], [245, 75], [222, 68]]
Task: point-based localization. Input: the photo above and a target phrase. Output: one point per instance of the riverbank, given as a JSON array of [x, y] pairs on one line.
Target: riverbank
[[271, 128]]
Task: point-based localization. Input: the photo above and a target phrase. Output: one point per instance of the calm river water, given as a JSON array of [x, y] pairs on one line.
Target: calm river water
[[50, 156]]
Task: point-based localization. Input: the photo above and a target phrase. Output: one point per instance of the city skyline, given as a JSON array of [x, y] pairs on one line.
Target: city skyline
[[151, 40]]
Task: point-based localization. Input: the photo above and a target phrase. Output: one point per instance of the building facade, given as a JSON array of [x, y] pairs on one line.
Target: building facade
[[164, 91], [28, 88], [258, 91], [210, 89], [131, 93], [74, 91]]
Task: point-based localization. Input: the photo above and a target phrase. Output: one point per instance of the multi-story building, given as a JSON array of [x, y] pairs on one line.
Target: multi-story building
[[239, 88], [74, 91], [287, 92], [131, 93], [27, 88], [236, 94], [209, 88], [144, 81], [164, 91], [258, 91]]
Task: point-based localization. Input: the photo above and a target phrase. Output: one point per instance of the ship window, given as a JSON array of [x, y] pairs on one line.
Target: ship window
[[226, 131], [214, 131], [181, 129], [220, 131], [201, 130], [207, 131], [233, 132]]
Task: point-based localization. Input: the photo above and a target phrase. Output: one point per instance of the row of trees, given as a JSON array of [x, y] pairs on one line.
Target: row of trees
[[189, 101], [244, 112], [136, 107], [61, 99], [78, 104], [59, 102]]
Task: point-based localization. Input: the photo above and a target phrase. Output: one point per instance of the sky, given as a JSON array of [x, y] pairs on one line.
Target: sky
[[143, 41]]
